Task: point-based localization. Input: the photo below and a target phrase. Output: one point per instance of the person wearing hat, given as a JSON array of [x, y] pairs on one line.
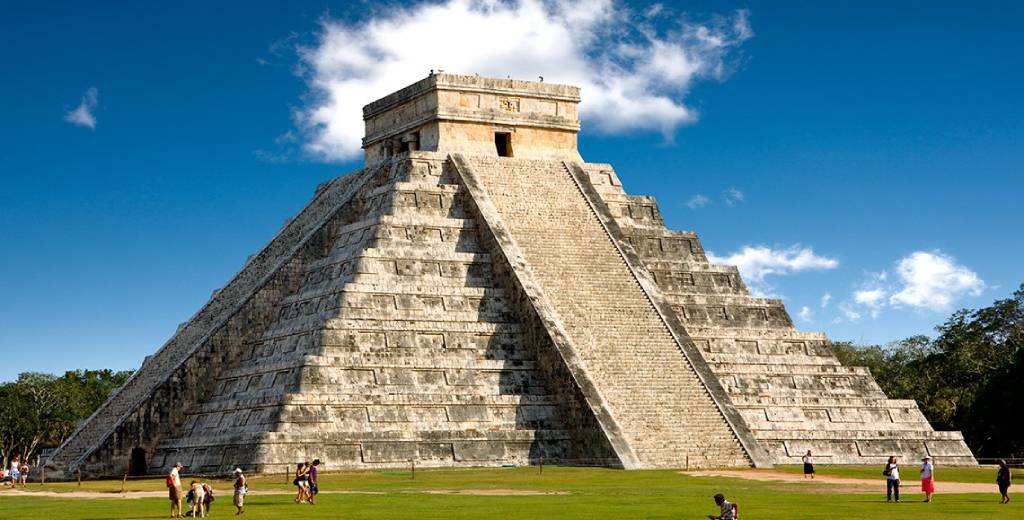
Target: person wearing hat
[[927, 478], [241, 488], [174, 490]]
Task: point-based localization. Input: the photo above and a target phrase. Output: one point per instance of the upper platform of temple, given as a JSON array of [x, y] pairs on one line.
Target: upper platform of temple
[[475, 115]]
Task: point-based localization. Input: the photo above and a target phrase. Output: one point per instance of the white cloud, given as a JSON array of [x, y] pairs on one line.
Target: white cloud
[[732, 197], [82, 115], [654, 10], [933, 281], [634, 76], [849, 312], [924, 281], [873, 299], [806, 314], [826, 299], [697, 201], [757, 262]]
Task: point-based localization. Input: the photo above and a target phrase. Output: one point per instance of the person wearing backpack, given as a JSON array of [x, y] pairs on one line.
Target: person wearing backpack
[[892, 479], [173, 482]]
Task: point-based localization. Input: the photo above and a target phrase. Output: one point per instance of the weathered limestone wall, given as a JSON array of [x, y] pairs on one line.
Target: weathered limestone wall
[[527, 142], [791, 390], [400, 344], [665, 413], [151, 403], [457, 113]]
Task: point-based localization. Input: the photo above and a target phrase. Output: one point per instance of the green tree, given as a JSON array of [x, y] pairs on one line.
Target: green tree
[[41, 410], [966, 379]]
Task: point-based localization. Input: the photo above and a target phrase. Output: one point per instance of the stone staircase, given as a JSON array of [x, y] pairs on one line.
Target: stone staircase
[[399, 345], [626, 350], [790, 389]]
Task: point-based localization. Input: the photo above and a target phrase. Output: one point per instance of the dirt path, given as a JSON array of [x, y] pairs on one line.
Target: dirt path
[[851, 485], [131, 495]]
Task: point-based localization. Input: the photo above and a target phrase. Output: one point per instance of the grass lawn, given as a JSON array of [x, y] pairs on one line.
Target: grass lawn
[[583, 493], [908, 472]]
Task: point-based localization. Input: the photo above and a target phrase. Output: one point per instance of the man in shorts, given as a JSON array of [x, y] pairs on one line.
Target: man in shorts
[[241, 488], [174, 490]]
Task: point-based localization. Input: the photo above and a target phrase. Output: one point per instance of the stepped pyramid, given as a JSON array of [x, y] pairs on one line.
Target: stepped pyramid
[[477, 295]]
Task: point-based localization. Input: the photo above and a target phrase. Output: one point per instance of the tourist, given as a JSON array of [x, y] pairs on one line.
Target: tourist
[[15, 473], [198, 503], [1003, 481], [892, 479], [24, 469], [313, 487], [301, 482], [208, 490], [727, 510], [808, 465], [241, 488], [927, 478], [173, 482]]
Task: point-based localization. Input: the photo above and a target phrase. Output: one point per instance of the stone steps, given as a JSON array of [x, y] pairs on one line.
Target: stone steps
[[788, 369], [662, 407], [340, 400]]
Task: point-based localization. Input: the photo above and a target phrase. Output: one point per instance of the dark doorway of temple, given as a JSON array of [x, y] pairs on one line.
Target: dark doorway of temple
[[503, 142], [137, 464]]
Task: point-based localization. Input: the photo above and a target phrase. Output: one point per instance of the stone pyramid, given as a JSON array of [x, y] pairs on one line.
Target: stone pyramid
[[477, 295]]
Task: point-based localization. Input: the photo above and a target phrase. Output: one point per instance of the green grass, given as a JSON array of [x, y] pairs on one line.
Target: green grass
[[587, 494], [908, 472]]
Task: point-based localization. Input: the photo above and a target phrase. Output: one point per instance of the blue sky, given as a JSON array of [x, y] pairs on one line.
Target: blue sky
[[881, 140]]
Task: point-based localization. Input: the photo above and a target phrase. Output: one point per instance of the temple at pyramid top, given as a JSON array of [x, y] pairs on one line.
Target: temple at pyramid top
[[476, 115]]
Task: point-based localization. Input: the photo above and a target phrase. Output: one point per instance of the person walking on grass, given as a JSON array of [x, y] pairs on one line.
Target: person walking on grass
[[808, 465], [173, 482], [241, 488], [301, 482], [15, 472], [892, 479], [927, 478], [726, 510], [24, 469], [1003, 481], [314, 487]]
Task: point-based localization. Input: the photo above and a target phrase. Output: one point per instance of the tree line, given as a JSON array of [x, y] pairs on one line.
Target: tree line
[[40, 410], [968, 378]]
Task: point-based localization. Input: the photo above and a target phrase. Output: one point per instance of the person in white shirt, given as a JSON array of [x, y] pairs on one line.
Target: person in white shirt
[[892, 479], [927, 478], [174, 490], [808, 460], [198, 499], [241, 488], [15, 473]]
